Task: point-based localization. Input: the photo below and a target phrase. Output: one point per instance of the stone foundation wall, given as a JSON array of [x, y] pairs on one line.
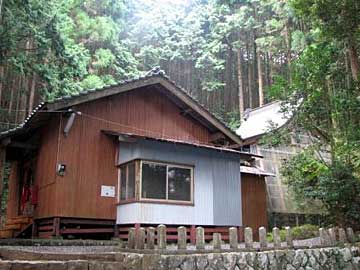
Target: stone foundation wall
[[302, 259]]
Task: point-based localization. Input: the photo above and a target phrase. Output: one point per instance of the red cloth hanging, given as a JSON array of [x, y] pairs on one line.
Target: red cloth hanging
[[25, 196], [34, 195]]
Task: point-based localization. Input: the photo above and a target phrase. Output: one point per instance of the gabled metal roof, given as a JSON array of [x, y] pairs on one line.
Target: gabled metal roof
[[258, 121], [153, 77]]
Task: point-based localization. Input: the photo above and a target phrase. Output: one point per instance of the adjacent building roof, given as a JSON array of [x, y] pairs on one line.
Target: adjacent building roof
[[257, 121], [255, 170], [155, 77]]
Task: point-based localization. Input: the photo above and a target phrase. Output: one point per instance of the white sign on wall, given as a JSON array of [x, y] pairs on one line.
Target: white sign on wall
[[107, 191]]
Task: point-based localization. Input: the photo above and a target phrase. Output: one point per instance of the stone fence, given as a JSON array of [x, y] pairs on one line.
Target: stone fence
[[156, 238], [300, 259]]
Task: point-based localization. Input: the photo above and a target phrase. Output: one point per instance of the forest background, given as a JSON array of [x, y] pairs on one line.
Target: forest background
[[226, 54]]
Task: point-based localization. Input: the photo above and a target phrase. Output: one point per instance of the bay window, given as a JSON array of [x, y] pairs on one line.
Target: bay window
[[157, 181]]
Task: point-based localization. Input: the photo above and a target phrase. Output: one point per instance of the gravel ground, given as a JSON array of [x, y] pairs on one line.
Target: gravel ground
[[110, 249]]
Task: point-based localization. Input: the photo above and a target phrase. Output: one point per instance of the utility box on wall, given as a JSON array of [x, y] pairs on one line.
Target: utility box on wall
[[108, 191]]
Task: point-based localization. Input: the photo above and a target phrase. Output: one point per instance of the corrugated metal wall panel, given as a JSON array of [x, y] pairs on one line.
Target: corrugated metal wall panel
[[211, 168], [227, 201]]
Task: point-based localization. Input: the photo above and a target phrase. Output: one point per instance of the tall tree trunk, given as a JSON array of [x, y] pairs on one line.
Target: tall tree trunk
[[250, 79], [354, 61], [32, 93], [271, 69], [18, 98], [260, 79], [255, 90], [240, 83], [288, 49], [1, 79], [347, 70], [1, 4], [11, 97]]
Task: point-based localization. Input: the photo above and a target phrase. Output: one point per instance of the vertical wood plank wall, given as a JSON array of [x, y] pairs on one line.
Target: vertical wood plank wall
[[45, 173], [14, 192], [89, 155], [253, 193]]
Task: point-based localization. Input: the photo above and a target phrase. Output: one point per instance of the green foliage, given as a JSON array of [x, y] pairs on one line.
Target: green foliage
[[92, 81], [305, 231], [338, 19], [233, 120], [335, 186], [323, 97], [103, 58], [275, 136]]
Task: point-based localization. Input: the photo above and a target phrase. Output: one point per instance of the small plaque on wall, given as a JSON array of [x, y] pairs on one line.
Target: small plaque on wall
[[107, 191]]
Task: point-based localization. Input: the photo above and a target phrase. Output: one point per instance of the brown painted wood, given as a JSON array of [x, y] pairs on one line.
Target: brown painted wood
[[14, 192], [254, 210], [89, 154], [45, 174], [152, 82], [57, 226]]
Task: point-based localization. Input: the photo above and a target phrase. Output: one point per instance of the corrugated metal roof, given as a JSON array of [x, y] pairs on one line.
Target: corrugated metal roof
[[258, 121], [155, 72], [254, 170], [23, 124], [221, 149]]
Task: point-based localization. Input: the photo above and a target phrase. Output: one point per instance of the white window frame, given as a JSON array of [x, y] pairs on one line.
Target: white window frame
[[127, 180]]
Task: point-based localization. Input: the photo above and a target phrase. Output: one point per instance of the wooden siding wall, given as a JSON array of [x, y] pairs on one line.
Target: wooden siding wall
[[89, 154], [253, 193], [45, 173], [14, 192]]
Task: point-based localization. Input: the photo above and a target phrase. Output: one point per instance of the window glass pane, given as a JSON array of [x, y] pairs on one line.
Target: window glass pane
[[179, 184], [131, 181], [123, 182], [153, 184]]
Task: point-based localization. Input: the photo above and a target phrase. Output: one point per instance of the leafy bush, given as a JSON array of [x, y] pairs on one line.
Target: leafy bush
[[305, 231]]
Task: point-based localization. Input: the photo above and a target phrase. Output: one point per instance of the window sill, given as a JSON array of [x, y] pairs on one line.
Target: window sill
[[156, 202]]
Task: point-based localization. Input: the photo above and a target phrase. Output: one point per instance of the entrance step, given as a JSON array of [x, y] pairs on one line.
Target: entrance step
[[4, 233], [76, 264], [14, 226], [19, 220]]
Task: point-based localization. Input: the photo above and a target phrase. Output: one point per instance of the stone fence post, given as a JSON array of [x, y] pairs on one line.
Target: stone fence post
[[288, 237], [248, 234], [332, 236], [276, 237], [181, 232], [140, 238], [161, 236], [350, 235], [200, 238], [262, 237], [324, 237], [342, 236], [131, 238], [217, 241], [233, 238], [150, 238]]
